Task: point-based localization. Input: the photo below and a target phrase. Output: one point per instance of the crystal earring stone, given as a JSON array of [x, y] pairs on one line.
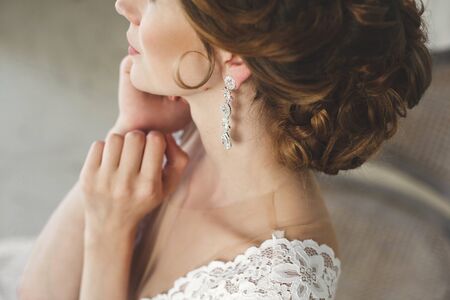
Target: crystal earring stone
[[226, 109], [230, 84]]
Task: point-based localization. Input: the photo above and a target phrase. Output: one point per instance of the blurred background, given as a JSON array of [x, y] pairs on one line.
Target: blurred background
[[59, 63]]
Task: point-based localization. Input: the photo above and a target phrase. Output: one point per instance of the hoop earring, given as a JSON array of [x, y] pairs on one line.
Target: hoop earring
[[176, 70], [230, 85]]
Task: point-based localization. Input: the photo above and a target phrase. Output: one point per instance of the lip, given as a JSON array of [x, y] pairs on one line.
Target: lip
[[132, 51]]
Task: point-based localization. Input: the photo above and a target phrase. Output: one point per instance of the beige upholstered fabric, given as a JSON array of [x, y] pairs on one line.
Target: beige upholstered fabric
[[393, 246]]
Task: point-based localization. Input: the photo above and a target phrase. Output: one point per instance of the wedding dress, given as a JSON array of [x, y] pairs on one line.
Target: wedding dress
[[207, 253]]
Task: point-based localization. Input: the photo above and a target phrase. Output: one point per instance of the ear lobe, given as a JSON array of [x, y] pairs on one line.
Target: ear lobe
[[240, 73], [234, 66]]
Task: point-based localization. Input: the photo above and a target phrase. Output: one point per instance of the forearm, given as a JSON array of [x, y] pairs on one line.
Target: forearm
[[106, 265], [53, 269]]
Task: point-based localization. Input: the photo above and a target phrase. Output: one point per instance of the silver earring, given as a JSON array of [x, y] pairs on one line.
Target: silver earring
[[230, 85]]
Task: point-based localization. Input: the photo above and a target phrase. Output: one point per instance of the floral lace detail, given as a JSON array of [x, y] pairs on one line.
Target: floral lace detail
[[276, 269]]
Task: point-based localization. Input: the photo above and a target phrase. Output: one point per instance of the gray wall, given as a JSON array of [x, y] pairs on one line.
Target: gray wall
[[59, 63], [438, 18]]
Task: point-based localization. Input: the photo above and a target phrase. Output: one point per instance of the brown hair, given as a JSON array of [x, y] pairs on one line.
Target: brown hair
[[332, 76]]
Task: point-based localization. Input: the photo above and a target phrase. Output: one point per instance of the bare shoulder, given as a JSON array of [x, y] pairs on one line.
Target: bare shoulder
[[322, 232], [300, 210]]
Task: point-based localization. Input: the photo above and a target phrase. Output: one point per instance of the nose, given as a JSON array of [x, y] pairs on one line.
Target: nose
[[126, 9]]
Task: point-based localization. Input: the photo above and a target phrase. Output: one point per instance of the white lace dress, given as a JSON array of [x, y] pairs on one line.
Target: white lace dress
[[276, 269]]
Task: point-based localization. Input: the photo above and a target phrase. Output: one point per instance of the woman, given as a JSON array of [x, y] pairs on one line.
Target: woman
[[291, 87]]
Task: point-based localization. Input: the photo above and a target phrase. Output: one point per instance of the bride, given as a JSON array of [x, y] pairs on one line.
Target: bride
[[205, 186]]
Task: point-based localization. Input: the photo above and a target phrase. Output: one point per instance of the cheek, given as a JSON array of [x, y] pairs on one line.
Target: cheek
[[157, 50], [151, 65], [162, 45]]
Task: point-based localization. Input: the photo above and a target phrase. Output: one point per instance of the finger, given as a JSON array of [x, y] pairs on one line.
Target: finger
[[125, 65], [132, 151], [125, 69], [93, 158], [125, 87], [177, 161], [111, 152], [152, 160]]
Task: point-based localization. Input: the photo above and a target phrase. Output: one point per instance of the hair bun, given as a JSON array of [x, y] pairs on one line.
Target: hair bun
[[331, 77]]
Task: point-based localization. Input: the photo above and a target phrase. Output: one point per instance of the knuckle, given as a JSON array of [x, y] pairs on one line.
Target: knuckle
[[135, 138], [156, 137], [135, 134], [97, 144], [146, 194], [182, 161], [124, 62], [86, 185], [151, 191], [115, 137]]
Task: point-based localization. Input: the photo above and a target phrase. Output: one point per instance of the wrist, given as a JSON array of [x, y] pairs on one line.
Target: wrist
[[108, 236], [107, 259]]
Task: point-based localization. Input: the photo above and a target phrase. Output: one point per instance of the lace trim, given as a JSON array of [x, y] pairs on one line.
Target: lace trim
[[276, 269]]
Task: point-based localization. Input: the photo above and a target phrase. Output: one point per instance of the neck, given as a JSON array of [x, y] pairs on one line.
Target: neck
[[249, 168]]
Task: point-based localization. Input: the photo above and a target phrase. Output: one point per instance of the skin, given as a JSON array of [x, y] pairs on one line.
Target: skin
[[60, 246], [248, 169], [121, 181], [145, 111], [116, 194]]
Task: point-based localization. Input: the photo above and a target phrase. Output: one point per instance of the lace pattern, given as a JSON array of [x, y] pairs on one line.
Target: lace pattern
[[276, 269]]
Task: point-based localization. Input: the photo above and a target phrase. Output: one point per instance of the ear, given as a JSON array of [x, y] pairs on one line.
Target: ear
[[234, 66]]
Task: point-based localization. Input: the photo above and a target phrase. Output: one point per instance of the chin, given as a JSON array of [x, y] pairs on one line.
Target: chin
[[138, 83]]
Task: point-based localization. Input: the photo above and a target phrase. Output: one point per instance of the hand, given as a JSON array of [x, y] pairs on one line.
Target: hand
[[139, 110], [122, 179]]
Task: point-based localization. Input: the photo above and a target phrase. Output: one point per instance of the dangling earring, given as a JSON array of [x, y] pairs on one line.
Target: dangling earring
[[230, 85]]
